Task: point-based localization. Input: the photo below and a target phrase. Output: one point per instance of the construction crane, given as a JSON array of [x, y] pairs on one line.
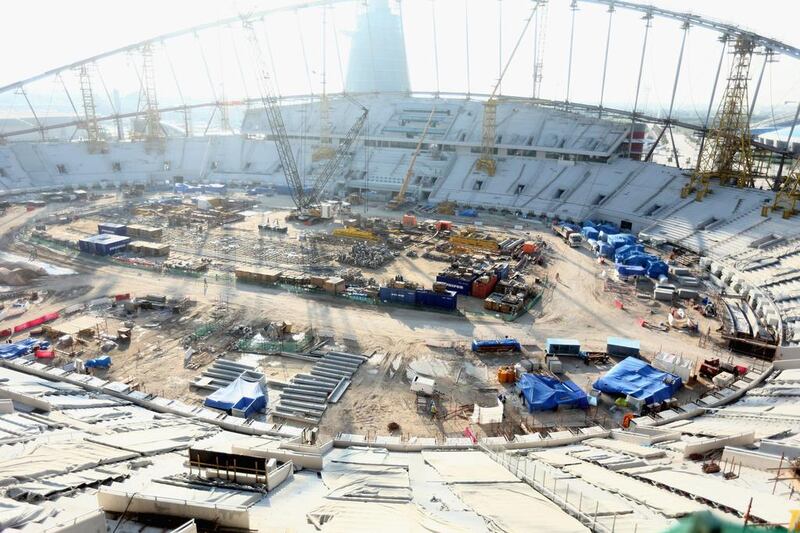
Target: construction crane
[[727, 154], [487, 162], [307, 202], [398, 201]]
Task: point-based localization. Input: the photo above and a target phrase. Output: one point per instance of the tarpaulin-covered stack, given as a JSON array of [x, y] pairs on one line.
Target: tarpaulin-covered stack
[[635, 378], [543, 393]]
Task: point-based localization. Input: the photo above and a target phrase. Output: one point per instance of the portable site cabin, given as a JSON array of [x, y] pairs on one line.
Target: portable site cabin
[[622, 347], [563, 347]]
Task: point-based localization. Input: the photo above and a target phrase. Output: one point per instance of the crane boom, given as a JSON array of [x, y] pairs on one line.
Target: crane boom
[[341, 151], [401, 195], [269, 100]]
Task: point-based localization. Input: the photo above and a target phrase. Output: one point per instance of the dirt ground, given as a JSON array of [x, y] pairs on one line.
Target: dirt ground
[[404, 341]]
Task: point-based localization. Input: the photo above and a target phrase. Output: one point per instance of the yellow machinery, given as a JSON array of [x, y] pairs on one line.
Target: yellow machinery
[[788, 195], [398, 201], [446, 208], [355, 233], [487, 162], [726, 154], [475, 241]]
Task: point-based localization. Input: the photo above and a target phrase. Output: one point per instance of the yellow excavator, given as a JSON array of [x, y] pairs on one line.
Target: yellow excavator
[[399, 201]]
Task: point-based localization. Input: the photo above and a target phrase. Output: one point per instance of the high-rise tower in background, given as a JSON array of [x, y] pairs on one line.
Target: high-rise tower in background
[[378, 52]]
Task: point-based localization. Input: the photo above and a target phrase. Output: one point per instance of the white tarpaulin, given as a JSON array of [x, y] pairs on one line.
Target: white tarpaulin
[[488, 415]]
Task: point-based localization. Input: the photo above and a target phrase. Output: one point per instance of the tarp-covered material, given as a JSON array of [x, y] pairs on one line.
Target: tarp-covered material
[[628, 271], [634, 377], [544, 393], [38, 321], [608, 229], [497, 345], [99, 362], [570, 226], [23, 347], [605, 250], [589, 224], [618, 240], [589, 232], [240, 395], [656, 269], [629, 249]]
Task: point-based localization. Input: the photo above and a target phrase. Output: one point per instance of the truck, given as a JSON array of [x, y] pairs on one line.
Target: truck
[[569, 235]]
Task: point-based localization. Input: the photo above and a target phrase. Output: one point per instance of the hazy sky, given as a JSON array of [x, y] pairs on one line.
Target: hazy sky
[[41, 34]]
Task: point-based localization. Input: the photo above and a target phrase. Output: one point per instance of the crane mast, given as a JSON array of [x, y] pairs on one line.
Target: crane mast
[[272, 109]]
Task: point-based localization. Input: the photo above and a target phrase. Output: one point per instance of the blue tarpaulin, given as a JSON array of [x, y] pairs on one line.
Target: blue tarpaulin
[[241, 395], [625, 251], [605, 250], [99, 362], [634, 377], [20, 348], [543, 393], [468, 213], [618, 240], [589, 232]]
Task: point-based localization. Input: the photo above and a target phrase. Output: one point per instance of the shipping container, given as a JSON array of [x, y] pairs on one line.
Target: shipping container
[[460, 286], [103, 244], [483, 286], [502, 270], [112, 228], [563, 347], [401, 296], [622, 347], [496, 345], [441, 300]]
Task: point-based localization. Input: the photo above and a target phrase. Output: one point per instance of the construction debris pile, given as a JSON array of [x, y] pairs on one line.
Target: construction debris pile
[[366, 255]]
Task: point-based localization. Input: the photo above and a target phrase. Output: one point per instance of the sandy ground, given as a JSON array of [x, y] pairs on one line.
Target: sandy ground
[[402, 339]]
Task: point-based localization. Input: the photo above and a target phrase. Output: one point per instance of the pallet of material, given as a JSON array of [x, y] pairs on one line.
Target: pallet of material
[[258, 275], [149, 248], [664, 295]]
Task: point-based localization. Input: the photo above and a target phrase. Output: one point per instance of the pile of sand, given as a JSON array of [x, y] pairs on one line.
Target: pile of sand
[[16, 274]]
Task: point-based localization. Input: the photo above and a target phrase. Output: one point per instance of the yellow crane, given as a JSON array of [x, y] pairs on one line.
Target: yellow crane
[[788, 195], [487, 162], [398, 201]]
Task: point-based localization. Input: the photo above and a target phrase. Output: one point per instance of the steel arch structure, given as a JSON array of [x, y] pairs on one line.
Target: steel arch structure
[[768, 46]]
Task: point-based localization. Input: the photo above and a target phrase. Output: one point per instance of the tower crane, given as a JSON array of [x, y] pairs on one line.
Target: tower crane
[[487, 162], [398, 201], [307, 202]]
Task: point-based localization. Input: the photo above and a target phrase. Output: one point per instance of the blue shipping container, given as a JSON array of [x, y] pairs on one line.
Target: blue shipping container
[[441, 300], [103, 244], [496, 345], [460, 286], [502, 271], [402, 296], [112, 228]]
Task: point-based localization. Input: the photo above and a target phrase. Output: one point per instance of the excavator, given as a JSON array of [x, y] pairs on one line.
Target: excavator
[[309, 208], [399, 200]]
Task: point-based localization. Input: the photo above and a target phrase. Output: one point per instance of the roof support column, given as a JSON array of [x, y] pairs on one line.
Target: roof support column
[[605, 58]]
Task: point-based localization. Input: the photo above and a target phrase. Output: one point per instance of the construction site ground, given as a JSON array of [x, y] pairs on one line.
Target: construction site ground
[[401, 341]]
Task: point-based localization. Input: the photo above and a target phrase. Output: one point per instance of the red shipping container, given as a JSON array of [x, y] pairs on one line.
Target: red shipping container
[[44, 354], [120, 297], [482, 290]]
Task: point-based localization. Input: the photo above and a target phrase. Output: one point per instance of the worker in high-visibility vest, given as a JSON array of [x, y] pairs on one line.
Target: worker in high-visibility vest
[[433, 410]]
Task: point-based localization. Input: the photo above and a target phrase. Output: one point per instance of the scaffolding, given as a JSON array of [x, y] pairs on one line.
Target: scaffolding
[[89, 111], [727, 154]]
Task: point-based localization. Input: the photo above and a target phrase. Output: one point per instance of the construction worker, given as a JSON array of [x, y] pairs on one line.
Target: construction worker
[[558, 278], [434, 410]]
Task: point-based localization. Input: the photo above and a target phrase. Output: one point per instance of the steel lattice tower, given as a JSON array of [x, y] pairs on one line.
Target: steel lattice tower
[[153, 133], [727, 154], [89, 111]]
